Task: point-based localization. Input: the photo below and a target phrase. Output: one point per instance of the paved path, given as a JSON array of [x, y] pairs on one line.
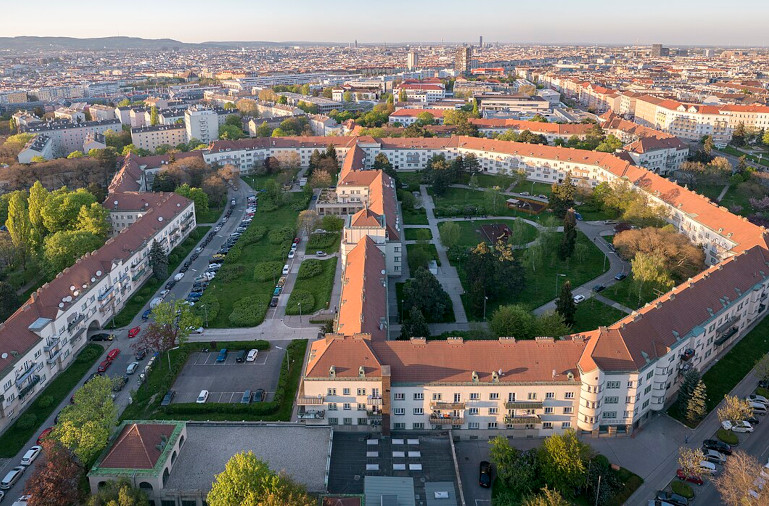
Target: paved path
[[723, 193], [614, 304], [447, 274]]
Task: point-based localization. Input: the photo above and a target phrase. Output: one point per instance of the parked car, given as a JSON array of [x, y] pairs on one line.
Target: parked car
[[708, 467], [31, 455], [277, 291], [246, 399], [240, 357], [671, 498], [620, 276], [579, 298], [154, 302], [222, 355], [168, 397], [146, 314], [291, 254], [297, 240], [102, 337], [599, 288], [133, 332], [274, 302], [320, 253], [140, 354], [714, 456], [179, 276], [681, 475], [259, 395], [719, 446], [12, 477], [286, 269], [44, 435], [484, 478], [132, 368], [113, 354], [282, 281], [202, 397], [170, 284], [252, 355], [118, 383], [741, 426], [758, 398], [104, 366]]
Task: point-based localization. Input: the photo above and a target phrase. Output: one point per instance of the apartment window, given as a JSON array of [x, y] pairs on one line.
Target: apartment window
[[568, 411], [550, 395], [399, 411], [547, 425], [347, 421], [472, 425], [475, 396], [457, 397], [532, 396], [7, 385], [38, 353], [649, 376], [345, 391], [331, 391], [419, 411], [472, 411], [565, 425], [612, 384], [492, 425], [420, 396], [399, 425], [362, 421], [418, 425], [611, 400], [346, 406], [333, 421], [361, 391], [493, 411], [493, 396], [436, 397], [361, 406], [647, 389], [511, 397], [610, 414], [568, 395], [332, 406], [399, 396], [645, 404]]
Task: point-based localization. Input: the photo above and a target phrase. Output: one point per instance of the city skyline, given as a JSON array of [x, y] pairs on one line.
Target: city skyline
[[590, 22]]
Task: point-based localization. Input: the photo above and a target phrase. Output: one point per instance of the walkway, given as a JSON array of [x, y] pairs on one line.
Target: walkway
[[447, 274]]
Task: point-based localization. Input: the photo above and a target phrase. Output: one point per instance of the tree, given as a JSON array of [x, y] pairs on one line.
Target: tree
[[546, 497], [62, 208], [689, 460], [154, 116], [61, 249], [173, 322], [563, 462], [414, 325], [707, 145], [685, 393], [562, 197], [569, 237], [565, 305], [320, 179], [158, 261], [9, 301], [762, 368], [38, 196], [681, 258], [696, 409], [515, 468], [307, 221], [650, 269], [197, 195], [552, 324], [118, 493], [734, 409], [248, 481], [56, 477], [264, 130], [94, 219], [450, 233], [738, 135], [84, 427], [232, 132], [402, 96], [19, 226], [426, 293], [513, 321], [740, 475], [425, 118]]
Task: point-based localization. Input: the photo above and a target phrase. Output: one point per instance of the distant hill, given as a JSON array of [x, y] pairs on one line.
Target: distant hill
[[115, 43]]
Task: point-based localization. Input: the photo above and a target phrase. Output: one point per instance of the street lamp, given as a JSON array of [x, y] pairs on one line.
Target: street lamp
[[168, 354], [300, 311], [288, 359], [484, 307], [556, 282], [205, 311]]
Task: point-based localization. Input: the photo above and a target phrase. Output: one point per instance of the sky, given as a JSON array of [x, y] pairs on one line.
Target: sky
[[670, 22]]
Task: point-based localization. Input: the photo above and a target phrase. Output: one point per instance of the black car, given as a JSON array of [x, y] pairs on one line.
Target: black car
[[620, 276], [274, 302], [140, 354], [102, 337], [752, 420], [714, 444], [763, 384], [184, 268], [258, 395], [170, 284], [672, 498], [599, 288], [484, 479], [168, 398]]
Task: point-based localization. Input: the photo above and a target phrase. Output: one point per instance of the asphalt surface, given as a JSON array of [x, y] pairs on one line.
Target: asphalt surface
[[121, 342]]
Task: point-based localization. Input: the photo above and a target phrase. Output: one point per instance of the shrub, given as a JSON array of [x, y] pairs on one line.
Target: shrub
[[322, 241], [252, 234], [331, 223], [267, 271], [303, 297], [727, 437], [234, 254], [280, 252], [310, 268], [682, 489], [249, 311], [230, 272], [45, 401], [280, 235], [267, 205], [207, 306], [27, 421]]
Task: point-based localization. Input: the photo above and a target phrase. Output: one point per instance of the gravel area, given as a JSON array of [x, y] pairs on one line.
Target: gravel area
[[302, 452]]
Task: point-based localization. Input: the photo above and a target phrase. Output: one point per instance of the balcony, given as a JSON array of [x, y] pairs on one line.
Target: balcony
[[71, 325], [138, 275], [374, 400], [311, 415], [519, 420], [374, 414], [27, 389], [309, 401], [687, 355], [107, 294], [439, 419], [447, 405], [523, 405], [50, 360], [29, 372], [51, 344], [725, 336]]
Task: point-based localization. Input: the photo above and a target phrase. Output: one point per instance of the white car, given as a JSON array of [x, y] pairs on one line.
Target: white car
[[579, 298], [217, 228], [203, 397], [708, 467], [286, 268], [252, 355], [743, 426], [179, 276], [12, 477], [154, 303], [132, 367], [758, 398], [31, 455], [714, 456], [163, 293], [291, 254], [21, 501]]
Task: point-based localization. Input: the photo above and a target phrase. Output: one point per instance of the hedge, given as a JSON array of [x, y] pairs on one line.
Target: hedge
[[279, 235], [231, 272], [249, 311], [727, 437], [266, 271], [310, 268], [322, 241], [252, 235], [303, 297]]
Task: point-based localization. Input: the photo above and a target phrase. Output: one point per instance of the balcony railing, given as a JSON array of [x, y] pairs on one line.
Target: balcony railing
[[27, 389], [725, 337], [447, 405], [29, 372], [106, 294], [437, 419], [71, 325], [138, 275], [51, 344], [374, 414], [374, 400], [50, 360], [311, 415], [516, 420], [523, 405], [309, 401]]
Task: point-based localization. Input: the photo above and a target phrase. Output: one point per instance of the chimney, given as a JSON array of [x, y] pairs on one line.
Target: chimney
[[332, 372]]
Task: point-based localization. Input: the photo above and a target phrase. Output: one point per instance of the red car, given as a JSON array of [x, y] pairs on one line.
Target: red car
[[297, 240], [104, 366], [133, 332], [691, 479], [112, 355], [44, 435]]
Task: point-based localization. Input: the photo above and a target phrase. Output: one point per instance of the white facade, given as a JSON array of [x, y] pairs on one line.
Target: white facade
[[202, 124], [39, 145], [69, 137]]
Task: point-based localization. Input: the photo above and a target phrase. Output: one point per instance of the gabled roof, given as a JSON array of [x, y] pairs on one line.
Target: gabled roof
[[363, 303], [137, 446]]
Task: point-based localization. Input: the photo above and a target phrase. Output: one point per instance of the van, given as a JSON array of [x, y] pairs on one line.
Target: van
[[241, 356], [246, 399], [155, 302], [11, 478], [758, 408]]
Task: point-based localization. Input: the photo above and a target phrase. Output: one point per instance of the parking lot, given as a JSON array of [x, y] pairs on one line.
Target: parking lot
[[226, 381]]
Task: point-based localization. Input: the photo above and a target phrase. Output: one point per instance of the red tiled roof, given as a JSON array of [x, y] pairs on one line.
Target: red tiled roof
[[136, 446]]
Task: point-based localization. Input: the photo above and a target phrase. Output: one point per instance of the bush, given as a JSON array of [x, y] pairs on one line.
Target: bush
[[280, 235], [279, 253], [207, 307], [230, 272], [322, 241], [331, 223], [727, 437], [27, 421], [267, 271], [303, 297], [45, 401], [249, 311], [683, 489], [252, 234], [267, 205], [234, 254], [310, 268]]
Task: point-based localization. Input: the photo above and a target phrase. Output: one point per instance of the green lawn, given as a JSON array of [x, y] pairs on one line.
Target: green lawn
[[412, 179], [152, 285], [533, 188], [229, 290], [466, 202], [319, 286], [415, 217], [412, 234], [470, 232], [753, 158], [593, 313], [590, 212], [328, 242], [626, 293], [430, 253], [17, 435], [212, 215]]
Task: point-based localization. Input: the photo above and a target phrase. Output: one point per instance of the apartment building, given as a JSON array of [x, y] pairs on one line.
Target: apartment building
[[150, 137], [41, 338], [38, 146], [94, 141], [552, 131], [101, 112], [68, 137], [201, 124], [408, 117], [511, 106], [13, 97], [431, 90]]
